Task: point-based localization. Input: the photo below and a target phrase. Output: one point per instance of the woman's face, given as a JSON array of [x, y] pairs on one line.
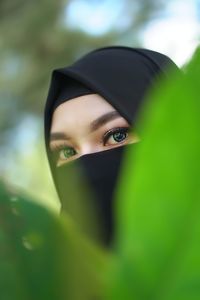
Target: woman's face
[[87, 124]]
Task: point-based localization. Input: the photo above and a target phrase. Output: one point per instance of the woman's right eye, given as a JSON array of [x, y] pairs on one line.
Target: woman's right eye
[[66, 153], [62, 153]]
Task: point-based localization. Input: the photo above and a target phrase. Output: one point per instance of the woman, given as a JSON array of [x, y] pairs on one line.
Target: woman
[[90, 116]]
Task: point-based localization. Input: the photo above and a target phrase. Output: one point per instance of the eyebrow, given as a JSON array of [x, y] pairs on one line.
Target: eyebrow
[[54, 136], [96, 124], [104, 119]]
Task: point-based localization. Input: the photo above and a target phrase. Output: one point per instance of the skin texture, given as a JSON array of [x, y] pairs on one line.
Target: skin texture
[[87, 124]]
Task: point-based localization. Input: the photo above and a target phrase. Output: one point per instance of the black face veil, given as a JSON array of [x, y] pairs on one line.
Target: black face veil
[[122, 75]]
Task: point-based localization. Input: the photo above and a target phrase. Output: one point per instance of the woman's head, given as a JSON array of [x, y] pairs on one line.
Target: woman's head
[[91, 113]]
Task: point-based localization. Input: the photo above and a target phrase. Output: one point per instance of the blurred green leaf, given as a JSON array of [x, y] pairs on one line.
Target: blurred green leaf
[[158, 208], [43, 256]]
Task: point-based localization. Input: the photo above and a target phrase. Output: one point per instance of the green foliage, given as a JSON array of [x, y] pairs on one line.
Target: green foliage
[[158, 208], [43, 256], [157, 245]]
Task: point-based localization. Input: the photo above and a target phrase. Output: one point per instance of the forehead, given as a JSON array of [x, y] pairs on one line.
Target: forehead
[[79, 111]]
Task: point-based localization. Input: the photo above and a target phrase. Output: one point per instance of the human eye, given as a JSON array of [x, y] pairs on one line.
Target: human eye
[[116, 136], [62, 153]]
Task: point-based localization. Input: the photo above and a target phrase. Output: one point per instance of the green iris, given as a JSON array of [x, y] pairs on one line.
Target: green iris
[[68, 152]]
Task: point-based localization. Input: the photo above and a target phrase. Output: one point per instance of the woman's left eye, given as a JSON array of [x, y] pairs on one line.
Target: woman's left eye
[[115, 136]]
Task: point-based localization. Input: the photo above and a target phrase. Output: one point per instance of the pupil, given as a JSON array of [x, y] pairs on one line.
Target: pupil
[[119, 136], [68, 152]]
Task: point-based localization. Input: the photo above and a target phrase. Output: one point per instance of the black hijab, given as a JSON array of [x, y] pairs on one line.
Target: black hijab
[[121, 75]]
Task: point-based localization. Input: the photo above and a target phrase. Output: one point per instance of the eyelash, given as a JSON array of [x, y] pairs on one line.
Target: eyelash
[[56, 147]]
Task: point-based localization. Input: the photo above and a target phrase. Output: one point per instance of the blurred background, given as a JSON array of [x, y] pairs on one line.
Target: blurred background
[[39, 36]]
